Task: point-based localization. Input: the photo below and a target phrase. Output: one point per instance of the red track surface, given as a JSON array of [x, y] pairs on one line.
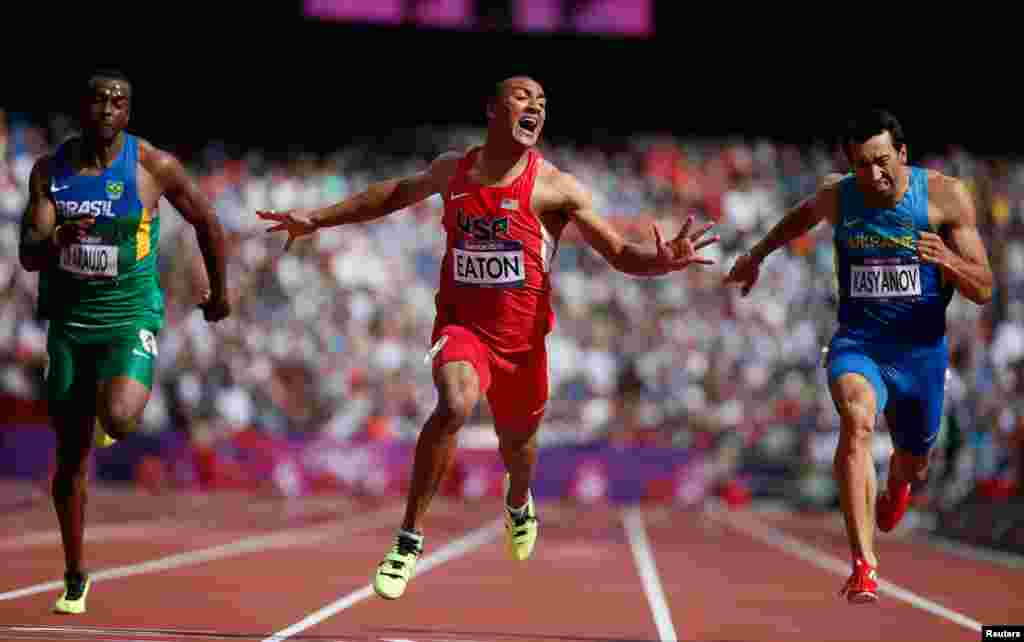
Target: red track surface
[[584, 583]]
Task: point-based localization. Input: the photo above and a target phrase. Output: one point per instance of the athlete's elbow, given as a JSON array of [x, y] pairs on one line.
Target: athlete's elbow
[[208, 228]]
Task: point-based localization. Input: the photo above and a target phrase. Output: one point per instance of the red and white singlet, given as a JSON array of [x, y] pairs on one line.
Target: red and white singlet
[[495, 276]]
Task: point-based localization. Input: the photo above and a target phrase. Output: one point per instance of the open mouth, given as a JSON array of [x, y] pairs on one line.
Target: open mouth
[[529, 123]]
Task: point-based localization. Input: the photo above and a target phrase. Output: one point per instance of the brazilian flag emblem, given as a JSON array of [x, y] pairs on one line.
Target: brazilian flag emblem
[[115, 189]]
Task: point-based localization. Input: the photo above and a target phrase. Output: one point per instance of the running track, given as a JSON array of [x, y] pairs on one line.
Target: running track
[[239, 567]]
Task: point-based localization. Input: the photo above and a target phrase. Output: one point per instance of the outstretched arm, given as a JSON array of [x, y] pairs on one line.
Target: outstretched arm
[[376, 201], [965, 261], [799, 220], [184, 194], [623, 255]]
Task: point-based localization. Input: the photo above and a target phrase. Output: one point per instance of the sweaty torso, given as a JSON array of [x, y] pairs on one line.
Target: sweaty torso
[[502, 237]]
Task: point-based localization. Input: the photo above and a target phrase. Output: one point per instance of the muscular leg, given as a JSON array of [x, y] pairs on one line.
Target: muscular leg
[[458, 392], [74, 427], [120, 404], [519, 452], [853, 466]]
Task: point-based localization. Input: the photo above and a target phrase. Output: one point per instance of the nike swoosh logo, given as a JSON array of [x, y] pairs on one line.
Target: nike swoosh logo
[[140, 353], [459, 195], [852, 222], [55, 188]]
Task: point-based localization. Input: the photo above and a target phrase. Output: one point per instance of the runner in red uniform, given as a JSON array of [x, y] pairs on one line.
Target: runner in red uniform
[[505, 209], [494, 307]]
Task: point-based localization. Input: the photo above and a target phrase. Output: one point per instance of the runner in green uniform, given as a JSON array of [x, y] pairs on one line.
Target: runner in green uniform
[[92, 231]]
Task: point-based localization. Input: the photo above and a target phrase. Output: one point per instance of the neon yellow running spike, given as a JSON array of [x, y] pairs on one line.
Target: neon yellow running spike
[[100, 436], [396, 569], [521, 533], [72, 601]]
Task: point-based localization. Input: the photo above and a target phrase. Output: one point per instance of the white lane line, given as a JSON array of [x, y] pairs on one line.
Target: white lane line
[[160, 526], [808, 553], [254, 544], [94, 535], [644, 558], [465, 544]]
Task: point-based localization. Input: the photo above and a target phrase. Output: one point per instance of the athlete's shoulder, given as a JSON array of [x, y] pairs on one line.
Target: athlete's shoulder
[[450, 157], [443, 167], [559, 189], [41, 175], [65, 146], [49, 162], [549, 174], [44, 164], [946, 188], [158, 162], [951, 195], [546, 168], [830, 186], [149, 151], [832, 180], [939, 181]]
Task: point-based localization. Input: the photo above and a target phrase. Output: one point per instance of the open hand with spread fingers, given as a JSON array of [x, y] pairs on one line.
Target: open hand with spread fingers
[[296, 222], [684, 249]]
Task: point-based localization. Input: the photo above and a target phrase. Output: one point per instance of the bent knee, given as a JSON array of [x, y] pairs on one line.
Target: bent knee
[[458, 394], [120, 420], [456, 408], [858, 425]]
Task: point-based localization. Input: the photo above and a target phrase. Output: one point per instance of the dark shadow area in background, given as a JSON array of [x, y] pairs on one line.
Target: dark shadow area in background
[[269, 78]]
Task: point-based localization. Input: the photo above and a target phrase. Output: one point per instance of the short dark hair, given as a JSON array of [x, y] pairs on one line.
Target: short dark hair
[[499, 87], [869, 124], [110, 73]]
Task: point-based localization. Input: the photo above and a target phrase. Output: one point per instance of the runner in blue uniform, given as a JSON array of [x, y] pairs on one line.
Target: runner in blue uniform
[[905, 239]]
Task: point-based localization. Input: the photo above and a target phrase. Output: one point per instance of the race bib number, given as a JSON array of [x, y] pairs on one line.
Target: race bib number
[[494, 264], [90, 260], [885, 281]]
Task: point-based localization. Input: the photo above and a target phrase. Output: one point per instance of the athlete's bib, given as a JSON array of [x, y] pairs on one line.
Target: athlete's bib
[[91, 260], [885, 280], [495, 264]]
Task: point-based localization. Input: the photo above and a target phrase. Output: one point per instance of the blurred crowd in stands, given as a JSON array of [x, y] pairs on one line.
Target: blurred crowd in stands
[[330, 338]]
